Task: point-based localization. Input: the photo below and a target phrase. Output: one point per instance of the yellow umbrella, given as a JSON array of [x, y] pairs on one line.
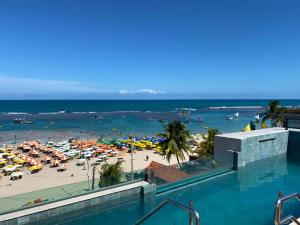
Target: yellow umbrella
[[264, 125], [16, 159], [19, 161], [32, 168], [247, 128], [3, 161]]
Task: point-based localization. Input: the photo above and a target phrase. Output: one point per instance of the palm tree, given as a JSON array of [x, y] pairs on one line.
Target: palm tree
[[272, 113], [175, 144], [110, 174], [206, 148]]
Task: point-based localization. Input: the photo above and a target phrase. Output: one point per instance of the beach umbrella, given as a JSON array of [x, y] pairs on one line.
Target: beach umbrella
[[11, 156], [33, 168], [16, 159], [26, 149], [32, 162], [64, 158], [47, 159], [34, 152], [28, 159], [20, 161], [22, 156], [57, 153], [247, 128], [3, 161], [10, 168], [264, 125], [49, 150], [55, 163]]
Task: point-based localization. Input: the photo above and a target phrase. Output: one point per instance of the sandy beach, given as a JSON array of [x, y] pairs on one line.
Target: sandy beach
[[52, 185], [49, 177]]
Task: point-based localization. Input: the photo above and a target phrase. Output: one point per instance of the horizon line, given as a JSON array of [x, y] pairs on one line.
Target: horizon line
[[147, 99]]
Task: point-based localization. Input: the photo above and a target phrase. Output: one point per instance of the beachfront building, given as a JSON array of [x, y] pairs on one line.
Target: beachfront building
[[291, 118]]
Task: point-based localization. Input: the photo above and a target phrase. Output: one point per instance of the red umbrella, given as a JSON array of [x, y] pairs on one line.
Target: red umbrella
[[57, 153], [63, 158], [47, 159], [28, 159], [34, 152], [33, 162], [55, 163]]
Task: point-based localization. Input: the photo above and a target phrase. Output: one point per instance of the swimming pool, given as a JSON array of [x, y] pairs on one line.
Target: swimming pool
[[243, 197]]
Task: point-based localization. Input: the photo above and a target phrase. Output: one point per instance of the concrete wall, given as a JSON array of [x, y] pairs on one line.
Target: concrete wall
[[61, 209], [224, 147], [262, 147], [250, 146]]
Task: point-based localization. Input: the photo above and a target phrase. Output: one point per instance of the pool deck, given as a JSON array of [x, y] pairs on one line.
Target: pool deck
[[38, 213]]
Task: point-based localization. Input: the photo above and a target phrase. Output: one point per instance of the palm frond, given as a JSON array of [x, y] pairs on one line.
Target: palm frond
[[175, 144]]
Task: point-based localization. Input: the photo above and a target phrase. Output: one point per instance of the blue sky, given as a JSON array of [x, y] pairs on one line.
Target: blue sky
[[149, 49]]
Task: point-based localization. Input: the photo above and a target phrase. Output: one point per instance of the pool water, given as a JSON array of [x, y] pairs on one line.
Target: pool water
[[244, 197]]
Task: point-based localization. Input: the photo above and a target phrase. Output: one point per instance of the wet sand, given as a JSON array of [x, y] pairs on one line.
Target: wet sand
[[56, 136]]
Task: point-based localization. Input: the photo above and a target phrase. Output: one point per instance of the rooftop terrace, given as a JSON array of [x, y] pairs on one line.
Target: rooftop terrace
[[255, 133]]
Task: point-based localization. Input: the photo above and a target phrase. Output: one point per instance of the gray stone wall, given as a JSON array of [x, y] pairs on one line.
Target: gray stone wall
[[262, 147], [250, 148], [224, 147]]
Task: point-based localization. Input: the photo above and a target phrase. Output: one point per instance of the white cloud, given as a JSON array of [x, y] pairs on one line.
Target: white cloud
[[20, 87], [148, 91], [124, 92]]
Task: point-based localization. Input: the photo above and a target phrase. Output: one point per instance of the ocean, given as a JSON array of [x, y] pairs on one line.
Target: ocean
[[120, 117]]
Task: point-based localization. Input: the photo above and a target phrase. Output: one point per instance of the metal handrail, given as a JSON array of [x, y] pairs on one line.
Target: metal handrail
[[193, 214], [278, 209]]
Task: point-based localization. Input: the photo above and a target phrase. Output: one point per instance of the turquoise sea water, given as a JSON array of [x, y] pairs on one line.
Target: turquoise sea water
[[120, 117], [246, 197]]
